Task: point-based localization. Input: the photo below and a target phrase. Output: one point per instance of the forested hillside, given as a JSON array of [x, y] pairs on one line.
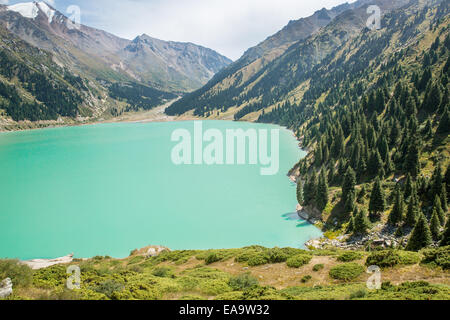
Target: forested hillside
[[32, 86], [376, 119], [372, 108]]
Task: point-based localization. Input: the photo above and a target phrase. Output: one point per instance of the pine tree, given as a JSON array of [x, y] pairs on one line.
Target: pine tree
[[447, 179], [351, 223], [310, 190], [444, 124], [349, 189], [412, 164], [361, 223], [439, 211], [421, 235], [443, 195], [375, 164], [412, 213], [409, 187], [435, 226], [300, 191], [432, 98], [446, 235], [437, 179], [322, 192], [396, 215], [377, 203]]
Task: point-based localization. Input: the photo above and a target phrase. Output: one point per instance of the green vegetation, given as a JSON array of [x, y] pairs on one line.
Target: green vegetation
[[186, 275], [298, 261], [318, 267], [347, 272], [350, 256], [138, 96], [391, 258]]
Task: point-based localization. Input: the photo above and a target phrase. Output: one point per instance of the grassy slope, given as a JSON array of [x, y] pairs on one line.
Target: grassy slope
[[206, 275]]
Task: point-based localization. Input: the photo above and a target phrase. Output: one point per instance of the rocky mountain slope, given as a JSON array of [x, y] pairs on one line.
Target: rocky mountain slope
[[307, 40], [104, 75], [171, 65]]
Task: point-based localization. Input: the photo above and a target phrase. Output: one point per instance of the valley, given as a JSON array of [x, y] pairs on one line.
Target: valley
[[369, 105]]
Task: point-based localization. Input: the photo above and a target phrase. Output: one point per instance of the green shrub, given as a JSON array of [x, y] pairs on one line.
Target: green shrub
[[277, 255], [298, 261], [306, 279], [109, 287], [258, 260], [347, 271], [350, 256], [55, 276], [212, 258], [20, 275], [409, 257], [164, 272], [318, 267], [439, 257], [242, 281], [214, 287], [383, 259], [248, 254], [360, 294]]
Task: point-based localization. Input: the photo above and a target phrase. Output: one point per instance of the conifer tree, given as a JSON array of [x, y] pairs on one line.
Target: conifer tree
[[361, 223], [396, 215], [412, 213], [310, 190], [444, 124], [443, 195], [376, 163], [300, 192], [432, 98], [349, 189], [351, 223], [412, 164], [377, 203], [409, 187], [447, 179], [439, 211], [446, 235], [435, 226], [421, 235], [437, 179], [322, 192]]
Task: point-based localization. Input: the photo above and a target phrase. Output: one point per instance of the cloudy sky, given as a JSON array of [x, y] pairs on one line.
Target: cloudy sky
[[227, 26]]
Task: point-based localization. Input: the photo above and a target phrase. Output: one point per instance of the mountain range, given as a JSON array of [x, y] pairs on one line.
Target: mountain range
[[306, 41], [144, 71]]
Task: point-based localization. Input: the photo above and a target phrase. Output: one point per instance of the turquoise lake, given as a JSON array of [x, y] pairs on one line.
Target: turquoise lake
[[107, 189]]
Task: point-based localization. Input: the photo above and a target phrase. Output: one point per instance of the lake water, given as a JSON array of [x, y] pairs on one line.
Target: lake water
[[110, 188]]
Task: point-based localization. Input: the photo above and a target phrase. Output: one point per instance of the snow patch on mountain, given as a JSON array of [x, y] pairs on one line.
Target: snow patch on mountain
[[31, 10]]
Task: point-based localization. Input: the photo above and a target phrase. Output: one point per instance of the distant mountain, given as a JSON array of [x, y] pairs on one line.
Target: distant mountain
[[165, 65], [307, 40], [172, 65], [89, 72]]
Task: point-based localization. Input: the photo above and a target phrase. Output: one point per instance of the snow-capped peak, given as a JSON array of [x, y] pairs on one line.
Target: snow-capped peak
[[31, 9]]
